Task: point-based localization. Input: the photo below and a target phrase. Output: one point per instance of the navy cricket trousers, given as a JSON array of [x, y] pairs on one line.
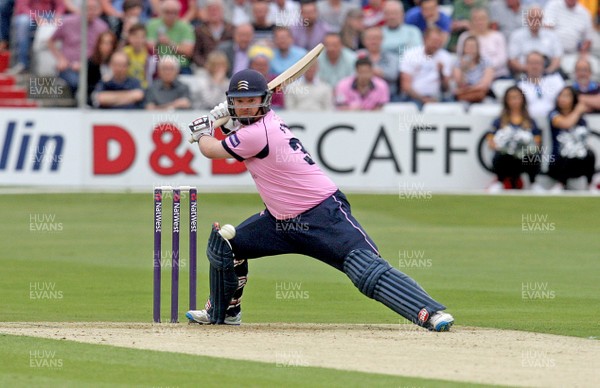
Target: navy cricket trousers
[[328, 232]]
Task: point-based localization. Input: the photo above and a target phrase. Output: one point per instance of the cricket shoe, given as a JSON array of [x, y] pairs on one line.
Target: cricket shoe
[[440, 321], [202, 317]]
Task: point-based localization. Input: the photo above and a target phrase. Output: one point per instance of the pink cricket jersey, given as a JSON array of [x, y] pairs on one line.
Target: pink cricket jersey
[[288, 180]]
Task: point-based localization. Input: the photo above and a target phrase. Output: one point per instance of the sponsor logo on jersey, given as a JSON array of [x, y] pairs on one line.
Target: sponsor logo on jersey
[[234, 140]]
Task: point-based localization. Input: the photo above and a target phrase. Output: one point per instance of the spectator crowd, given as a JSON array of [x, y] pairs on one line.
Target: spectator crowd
[[180, 54], [376, 51]]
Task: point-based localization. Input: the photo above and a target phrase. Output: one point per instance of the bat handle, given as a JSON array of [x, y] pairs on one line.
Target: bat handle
[[219, 122]]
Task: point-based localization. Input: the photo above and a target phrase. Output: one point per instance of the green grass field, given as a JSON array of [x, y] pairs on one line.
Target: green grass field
[[524, 263]]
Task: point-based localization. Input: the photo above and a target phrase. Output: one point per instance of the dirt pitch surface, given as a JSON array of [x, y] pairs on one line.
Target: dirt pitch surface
[[465, 354]]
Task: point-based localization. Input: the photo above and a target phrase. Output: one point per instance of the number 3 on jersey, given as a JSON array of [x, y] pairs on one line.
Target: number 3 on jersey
[[295, 144]]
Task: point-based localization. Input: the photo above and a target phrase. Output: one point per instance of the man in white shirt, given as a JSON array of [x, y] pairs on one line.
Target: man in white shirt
[[540, 90], [571, 22], [534, 38], [425, 70], [284, 13]]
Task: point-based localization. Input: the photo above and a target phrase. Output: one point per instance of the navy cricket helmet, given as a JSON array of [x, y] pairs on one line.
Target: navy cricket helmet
[[249, 83]]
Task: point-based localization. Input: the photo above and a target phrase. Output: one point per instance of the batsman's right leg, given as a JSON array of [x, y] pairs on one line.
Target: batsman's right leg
[[233, 316]]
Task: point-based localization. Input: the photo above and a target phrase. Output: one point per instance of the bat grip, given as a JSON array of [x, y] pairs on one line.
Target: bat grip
[[216, 124], [220, 121]]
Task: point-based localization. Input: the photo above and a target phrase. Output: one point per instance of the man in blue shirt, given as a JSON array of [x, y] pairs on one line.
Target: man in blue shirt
[[121, 91], [285, 53], [428, 14]]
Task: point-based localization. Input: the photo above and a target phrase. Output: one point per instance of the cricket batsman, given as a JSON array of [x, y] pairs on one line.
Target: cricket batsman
[[294, 189]]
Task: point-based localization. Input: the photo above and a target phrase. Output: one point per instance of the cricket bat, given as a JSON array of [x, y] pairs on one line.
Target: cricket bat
[[287, 77]]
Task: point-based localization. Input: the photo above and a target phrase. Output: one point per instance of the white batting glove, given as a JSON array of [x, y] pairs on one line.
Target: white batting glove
[[202, 126], [219, 111]]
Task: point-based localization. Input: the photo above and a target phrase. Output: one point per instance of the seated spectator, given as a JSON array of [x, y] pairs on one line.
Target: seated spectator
[[237, 49], [506, 16], [373, 12], [284, 12], [336, 62], [492, 43], [571, 156], [461, 15], [363, 90], [121, 91], [312, 30], [169, 36], [397, 35], [589, 90], [309, 93], [210, 34], [260, 60], [98, 64], [119, 14], [167, 92], [572, 23], [121, 9], [188, 9], [240, 12], [428, 14], [140, 63], [333, 13], [132, 14], [539, 89], [285, 53], [68, 34], [352, 29], [28, 15], [385, 63], [472, 75], [515, 139], [426, 70], [263, 27], [533, 38], [211, 82]]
